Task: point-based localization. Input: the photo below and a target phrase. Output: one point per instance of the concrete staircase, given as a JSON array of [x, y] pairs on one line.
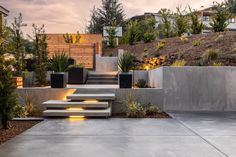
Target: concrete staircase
[[102, 78], [80, 105]]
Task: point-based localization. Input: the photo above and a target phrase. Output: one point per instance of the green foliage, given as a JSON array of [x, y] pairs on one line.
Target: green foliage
[[132, 32], [179, 63], [40, 54], [161, 44], [125, 62], [111, 31], [141, 83], [219, 21], [210, 55], [8, 100], [181, 22], [145, 49], [133, 108], [184, 39], [196, 43], [166, 27], [231, 4], [110, 11], [219, 38], [217, 64], [196, 26], [148, 29], [59, 62], [20, 111], [151, 110], [72, 39], [76, 66], [18, 46]]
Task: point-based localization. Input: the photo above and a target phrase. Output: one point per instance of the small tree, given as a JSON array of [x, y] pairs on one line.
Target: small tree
[[7, 97], [196, 26], [111, 31], [133, 32], [181, 22], [18, 44], [219, 21], [149, 31], [40, 54], [166, 28], [231, 4]]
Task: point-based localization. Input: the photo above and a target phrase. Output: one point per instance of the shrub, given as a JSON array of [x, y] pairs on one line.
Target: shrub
[[196, 26], [179, 63], [59, 62], [181, 24], [210, 55], [151, 110], [219, 38], [166, 27], [145, 49], [141, 83], [196, 43], [217, 64], [149, 36], [161, 44], [76, 66], [20, 111], [125, 62], [184, 39], [133, 108], [132, 32]]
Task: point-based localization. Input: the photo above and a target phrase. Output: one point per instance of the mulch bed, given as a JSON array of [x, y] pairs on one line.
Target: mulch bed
[[157, 116], [17, 127]]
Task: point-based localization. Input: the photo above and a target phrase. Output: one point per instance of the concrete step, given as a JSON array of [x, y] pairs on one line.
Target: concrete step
[[102, 78], [102, 73], [62, 104], [85, 113], [98, 97], [102, 82]]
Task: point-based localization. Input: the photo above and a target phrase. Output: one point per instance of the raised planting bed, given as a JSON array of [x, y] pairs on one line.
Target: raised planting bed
[[158, 115], [17, 127]]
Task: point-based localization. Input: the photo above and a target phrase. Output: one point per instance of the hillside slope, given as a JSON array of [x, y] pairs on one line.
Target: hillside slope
[[224, 43]]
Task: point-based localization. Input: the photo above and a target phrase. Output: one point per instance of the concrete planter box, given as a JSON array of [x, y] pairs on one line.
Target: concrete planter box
[[58, 80], [77, 75], [125, 80]]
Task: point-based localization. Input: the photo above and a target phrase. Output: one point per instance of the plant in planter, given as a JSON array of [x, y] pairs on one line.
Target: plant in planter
[[125, 64], [77, 74], [59, 64]]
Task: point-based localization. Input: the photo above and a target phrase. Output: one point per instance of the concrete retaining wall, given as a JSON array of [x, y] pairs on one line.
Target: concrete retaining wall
[[143, 96], [106, 64], [196, 88], [140, 74]]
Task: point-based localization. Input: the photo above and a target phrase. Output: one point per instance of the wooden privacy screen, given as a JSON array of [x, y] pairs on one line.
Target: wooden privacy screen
[[82, 52]]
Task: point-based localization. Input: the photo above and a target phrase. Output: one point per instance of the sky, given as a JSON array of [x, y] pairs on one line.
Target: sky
[[61, 16]]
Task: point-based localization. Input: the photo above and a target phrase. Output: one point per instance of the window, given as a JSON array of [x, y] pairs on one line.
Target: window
[[206, 18], [232, 20]]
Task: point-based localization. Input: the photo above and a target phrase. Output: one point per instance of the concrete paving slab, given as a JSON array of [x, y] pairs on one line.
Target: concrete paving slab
[[115, 127], [108, 146], [209, 124]]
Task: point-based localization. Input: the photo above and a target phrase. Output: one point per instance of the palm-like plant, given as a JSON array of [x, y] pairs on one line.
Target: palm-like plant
[[59, 62], [125, 62]]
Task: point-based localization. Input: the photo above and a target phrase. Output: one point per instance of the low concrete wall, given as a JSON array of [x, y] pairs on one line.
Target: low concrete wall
[[140, 74], [197, 88], [155, 78], [106, 64], [143, 96]]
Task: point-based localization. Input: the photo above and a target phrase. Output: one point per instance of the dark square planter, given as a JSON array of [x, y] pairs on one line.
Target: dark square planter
[[77, 75], [125, 80], [58, 80]]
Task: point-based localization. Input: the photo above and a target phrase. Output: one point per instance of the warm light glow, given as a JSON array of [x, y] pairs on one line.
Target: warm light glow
[[147, 67], [90, 101], [77, 116], [74, 109]]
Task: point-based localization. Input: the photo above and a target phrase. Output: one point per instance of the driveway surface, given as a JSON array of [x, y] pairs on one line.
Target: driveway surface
[[186, 135]]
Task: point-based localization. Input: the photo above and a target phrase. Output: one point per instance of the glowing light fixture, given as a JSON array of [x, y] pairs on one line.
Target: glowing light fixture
[[74, 109], [90, 101], [77, 116]]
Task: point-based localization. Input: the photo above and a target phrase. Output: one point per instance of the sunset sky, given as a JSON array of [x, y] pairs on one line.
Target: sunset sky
[[62, 16]]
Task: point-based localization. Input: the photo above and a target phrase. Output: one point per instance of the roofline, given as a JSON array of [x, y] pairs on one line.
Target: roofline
[[4, 11]]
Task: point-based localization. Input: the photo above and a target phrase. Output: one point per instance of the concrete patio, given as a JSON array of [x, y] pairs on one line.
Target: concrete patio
[[186, 135]]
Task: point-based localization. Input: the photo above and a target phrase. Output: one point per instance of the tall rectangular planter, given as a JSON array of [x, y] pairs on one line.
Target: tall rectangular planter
[[77, 75], [125, 80], [58, 80]]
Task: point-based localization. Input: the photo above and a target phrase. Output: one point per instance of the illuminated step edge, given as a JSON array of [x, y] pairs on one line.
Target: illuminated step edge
[[78, 97], [82, 113], [72, 104]]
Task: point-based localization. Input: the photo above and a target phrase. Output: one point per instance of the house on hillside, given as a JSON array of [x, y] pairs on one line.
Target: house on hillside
[[206, 15]]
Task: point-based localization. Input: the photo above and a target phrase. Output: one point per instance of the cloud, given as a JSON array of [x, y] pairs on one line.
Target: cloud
[[60, 16]]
